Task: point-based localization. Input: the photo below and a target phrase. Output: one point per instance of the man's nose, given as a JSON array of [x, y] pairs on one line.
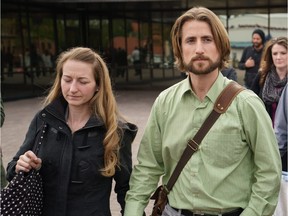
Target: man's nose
[[199, 47]]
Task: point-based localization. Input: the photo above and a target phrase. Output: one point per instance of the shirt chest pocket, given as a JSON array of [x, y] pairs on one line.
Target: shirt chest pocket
[[222, 150]]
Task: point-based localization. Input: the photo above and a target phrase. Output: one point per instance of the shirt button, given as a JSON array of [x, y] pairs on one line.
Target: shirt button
[[194, 174]]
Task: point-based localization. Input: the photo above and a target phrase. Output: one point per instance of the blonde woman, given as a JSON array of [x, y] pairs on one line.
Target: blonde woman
[[86, 144]]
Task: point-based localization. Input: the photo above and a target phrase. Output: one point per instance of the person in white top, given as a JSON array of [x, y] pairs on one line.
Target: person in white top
[[136, 61]]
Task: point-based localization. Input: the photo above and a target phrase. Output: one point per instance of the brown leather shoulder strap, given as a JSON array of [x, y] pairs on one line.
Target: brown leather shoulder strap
[[226, 97], [221, 105]]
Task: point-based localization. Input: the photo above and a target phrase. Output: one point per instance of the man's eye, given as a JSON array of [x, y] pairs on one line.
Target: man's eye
[[207, 39], [189, 41]]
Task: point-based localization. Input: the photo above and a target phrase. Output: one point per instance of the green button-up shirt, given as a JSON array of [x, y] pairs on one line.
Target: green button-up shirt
[[237, 165]]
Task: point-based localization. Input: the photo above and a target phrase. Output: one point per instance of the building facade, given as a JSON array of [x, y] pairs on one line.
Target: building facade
[[34, 32]]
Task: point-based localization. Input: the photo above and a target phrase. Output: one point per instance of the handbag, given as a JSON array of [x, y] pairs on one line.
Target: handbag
[[24, 193], [221, 105]]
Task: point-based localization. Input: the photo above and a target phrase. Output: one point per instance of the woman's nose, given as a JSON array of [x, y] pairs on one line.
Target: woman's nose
[[73, 87]]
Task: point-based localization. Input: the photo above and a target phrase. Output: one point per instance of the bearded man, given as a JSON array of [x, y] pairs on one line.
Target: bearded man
[[237, 169], [251, 57]]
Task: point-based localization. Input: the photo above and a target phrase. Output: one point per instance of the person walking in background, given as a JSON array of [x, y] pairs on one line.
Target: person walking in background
[[236, 171], [36, 62], [9, 57], [251, 57], [281, 126], [136, 61], [47, 62], [281, 131], [87, 143], [121, 62], [272, 77]]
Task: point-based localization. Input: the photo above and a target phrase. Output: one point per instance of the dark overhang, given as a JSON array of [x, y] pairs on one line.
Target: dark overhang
[[280, 5]]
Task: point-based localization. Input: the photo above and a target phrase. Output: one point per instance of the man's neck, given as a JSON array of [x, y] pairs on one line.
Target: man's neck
[[258, 48], [201, 84]]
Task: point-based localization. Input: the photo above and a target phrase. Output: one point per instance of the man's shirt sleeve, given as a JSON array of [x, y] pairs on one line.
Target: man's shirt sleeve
[[267, 175]]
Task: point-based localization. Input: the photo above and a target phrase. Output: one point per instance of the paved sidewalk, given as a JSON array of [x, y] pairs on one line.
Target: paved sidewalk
[[134, 104]]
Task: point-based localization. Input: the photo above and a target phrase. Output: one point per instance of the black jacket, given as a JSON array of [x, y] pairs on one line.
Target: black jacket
[[230, 73], [256, 56], [72, 182], [250, 72]]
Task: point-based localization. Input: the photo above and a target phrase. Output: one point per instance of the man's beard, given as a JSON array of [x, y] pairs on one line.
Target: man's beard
[[201, 69], [257, 45]]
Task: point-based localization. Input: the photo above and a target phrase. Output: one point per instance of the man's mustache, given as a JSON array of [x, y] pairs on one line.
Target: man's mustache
[[199, 57]]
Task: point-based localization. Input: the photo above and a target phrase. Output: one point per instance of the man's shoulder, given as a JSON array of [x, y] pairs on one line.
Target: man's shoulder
[[247, 96], [248, 48], [176, 89]]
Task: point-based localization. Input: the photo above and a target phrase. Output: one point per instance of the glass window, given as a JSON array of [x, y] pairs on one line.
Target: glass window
[[133, 49], [60, 25], [119, 48], [157, 40], [94, 36], [11, 47], [41, 49], [145, 44], [105, 34], [72, 31], [167, 49]]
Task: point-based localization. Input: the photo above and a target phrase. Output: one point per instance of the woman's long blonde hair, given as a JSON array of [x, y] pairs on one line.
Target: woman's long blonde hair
[[103, 104]]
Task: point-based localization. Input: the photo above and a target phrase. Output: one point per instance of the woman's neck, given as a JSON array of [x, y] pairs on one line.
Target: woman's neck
[[282, 73], [77, 118]]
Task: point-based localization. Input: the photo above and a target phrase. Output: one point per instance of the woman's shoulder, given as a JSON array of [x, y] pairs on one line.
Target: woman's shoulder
[[128, 126]]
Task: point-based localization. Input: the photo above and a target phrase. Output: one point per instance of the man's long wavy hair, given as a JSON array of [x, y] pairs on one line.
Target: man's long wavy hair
[[267, 61], [218, 31], [103, 103]]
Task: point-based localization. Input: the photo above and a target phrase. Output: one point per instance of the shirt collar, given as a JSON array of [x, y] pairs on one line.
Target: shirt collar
[[217, 88], [213, 92], [185, 87]]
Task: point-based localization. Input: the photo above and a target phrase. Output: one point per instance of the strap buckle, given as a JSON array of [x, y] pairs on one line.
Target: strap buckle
[[193, 145]]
